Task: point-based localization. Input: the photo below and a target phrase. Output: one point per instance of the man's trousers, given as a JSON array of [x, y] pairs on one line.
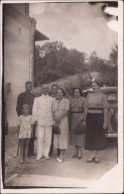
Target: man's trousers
[[44, 135]]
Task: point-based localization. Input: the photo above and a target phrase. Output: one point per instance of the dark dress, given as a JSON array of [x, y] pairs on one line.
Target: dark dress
[[95, 134]]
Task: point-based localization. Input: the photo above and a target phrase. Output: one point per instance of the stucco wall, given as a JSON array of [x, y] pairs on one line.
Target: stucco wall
[[17, 57]]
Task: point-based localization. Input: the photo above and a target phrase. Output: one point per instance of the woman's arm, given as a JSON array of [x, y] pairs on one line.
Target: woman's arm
[[53, 110], [32, 130], [54, 115], [85, 115], [85, 108], [105, 119], [65, 112]]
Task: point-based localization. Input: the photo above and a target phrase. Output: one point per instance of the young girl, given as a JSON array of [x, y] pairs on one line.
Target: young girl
[[25, 132]]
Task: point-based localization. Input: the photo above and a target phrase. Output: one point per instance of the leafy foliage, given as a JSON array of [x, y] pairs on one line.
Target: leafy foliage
[[54, 61]]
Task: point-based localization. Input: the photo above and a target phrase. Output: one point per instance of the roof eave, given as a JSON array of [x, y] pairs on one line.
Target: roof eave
[[40, 36]]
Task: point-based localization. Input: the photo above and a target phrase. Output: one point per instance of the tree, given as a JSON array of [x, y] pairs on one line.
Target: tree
[[54, 61], [113, 57], [107, 69]]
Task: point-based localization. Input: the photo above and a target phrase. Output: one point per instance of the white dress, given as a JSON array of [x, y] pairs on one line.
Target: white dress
[[62, 140], [25, 123]]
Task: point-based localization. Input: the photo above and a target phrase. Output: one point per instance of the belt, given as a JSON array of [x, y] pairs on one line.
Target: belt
[[95, 108], [77, 111]]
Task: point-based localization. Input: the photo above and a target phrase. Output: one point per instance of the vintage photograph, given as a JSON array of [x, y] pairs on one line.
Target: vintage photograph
[[60, 94]]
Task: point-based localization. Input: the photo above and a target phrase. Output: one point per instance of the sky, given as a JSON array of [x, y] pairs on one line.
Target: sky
[[78, 25]]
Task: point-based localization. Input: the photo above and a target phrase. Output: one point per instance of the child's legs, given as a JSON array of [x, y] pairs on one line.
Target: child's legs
[[22, 144], [27, 140]]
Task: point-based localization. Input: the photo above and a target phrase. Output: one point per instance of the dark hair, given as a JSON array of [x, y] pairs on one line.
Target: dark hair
[[76, 89], [54, 85], [62, 91], [28, 82], [97, 82]]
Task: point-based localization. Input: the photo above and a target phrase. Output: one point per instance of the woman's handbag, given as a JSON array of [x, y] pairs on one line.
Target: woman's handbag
[[80, 128], [57, 129]]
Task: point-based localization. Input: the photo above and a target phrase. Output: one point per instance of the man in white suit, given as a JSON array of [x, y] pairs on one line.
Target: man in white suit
[[42, 114]]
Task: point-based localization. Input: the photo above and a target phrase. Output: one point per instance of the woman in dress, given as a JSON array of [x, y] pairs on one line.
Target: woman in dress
[[60, 111], [77, 107], [96, 122]]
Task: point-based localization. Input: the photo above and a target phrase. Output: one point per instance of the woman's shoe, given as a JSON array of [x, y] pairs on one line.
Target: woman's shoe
[[97, 160], [74, 156], [27, 160], [38, 158], [79, 157], [47, 157], [91, 160], [60, 160], [21, 161]]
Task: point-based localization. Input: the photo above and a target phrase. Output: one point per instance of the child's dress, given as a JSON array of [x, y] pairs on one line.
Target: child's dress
[[25, 126]]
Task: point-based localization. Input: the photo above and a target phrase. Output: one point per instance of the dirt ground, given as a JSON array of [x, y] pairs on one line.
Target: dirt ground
[[50, 172]]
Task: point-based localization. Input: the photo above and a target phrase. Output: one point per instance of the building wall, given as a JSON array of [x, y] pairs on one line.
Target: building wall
[[22, 7], [17, 57]]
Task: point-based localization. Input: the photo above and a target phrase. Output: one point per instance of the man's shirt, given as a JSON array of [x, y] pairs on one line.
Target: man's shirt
[[42, 110]]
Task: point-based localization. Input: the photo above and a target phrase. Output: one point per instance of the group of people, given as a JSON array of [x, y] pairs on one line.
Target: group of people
[[44, 112]]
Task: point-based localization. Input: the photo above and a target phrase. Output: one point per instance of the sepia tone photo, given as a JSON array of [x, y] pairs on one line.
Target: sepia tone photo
[[60, 94]]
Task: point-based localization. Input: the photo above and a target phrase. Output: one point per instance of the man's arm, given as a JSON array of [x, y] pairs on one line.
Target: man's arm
[[19, 104], [35, 109]]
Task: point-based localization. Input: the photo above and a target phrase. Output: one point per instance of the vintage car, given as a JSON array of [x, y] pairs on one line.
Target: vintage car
[[111, 93]]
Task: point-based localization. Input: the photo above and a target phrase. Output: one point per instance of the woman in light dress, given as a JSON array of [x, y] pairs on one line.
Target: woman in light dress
[[60, 111]]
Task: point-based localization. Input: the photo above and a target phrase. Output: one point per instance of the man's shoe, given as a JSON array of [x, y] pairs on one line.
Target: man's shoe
[[47, 157], [38, 158]]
